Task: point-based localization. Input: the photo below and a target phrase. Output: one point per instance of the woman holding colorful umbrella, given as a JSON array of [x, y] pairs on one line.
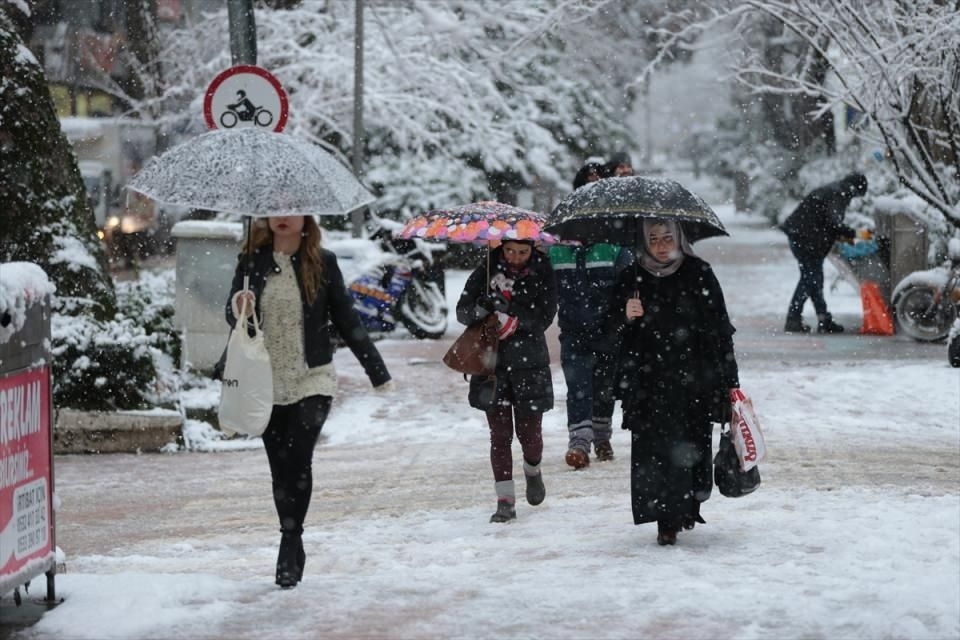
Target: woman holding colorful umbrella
[[516, 283]]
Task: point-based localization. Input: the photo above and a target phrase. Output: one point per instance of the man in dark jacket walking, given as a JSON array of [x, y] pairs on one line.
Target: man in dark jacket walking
[[812, 228]]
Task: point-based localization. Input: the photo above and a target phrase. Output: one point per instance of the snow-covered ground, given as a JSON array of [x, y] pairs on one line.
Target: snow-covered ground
[[854, 533]]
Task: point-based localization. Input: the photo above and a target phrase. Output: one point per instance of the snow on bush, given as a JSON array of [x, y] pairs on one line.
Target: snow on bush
[[126, 362]]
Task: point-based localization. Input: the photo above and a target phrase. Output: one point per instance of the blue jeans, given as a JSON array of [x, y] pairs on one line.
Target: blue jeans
[[589, 374]]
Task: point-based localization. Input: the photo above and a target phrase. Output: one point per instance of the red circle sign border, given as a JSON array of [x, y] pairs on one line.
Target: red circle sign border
[[245, 68]]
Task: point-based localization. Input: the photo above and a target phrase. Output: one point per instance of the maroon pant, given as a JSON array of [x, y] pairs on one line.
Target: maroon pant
[[501, 420]]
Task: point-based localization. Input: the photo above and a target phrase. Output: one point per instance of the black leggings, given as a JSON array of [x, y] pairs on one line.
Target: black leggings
[[289, 441]]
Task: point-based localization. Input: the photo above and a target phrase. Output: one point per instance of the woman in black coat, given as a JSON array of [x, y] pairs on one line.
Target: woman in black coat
[[677, 367], [298, 291], [517, 284]]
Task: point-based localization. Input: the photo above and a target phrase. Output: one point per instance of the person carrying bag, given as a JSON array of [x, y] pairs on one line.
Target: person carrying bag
[[297, 290]]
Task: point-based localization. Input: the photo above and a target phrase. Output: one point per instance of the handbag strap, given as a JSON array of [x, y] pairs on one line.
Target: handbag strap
[[256, 319]]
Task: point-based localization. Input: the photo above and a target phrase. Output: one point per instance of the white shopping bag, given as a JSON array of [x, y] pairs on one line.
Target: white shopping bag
[[246, 393], [745, 431]]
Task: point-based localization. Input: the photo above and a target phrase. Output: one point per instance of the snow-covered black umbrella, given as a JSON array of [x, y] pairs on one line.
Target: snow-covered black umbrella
[[612, 210]]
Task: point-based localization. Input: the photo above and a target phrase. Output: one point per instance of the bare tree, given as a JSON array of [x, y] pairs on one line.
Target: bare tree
[[896, 61]]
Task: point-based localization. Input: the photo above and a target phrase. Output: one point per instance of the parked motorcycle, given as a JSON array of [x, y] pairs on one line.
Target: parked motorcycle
[[404, 286], [926, 303]]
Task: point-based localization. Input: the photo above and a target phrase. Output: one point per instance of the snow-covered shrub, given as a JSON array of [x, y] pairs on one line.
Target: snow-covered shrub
[[122, 363], [101, 365]]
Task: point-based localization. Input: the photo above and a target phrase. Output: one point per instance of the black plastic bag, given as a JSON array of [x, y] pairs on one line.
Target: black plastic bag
[[732, 481]]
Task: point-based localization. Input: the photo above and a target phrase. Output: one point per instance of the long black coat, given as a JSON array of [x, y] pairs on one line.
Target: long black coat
[[332, 306], [817, 222], [676, 366], [523, 360]]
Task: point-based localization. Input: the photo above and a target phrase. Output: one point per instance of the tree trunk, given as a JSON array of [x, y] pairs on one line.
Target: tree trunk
[[46, 218]]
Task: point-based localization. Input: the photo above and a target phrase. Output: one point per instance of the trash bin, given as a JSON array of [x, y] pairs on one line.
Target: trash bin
[[905, 243]]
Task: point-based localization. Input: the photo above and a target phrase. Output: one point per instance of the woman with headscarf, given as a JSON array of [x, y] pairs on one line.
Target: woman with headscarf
[[677, 367], [516, 283]]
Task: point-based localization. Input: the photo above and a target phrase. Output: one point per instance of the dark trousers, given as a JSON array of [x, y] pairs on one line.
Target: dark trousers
[[589, 374], [810, 284], [289, 440], [529, 433]]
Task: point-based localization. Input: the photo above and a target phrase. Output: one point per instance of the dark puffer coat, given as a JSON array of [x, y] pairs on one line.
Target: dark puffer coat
[[676, 367], [333, 306], [817, 222], [523, 360]]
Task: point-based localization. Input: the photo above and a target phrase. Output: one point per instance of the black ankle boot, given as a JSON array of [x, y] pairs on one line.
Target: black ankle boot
[[795, 325], [827, 325], [301, 561], [288, 570]]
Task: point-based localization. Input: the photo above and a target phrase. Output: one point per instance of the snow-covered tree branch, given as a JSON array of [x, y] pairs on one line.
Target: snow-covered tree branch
[[454, 92], [896, 61]]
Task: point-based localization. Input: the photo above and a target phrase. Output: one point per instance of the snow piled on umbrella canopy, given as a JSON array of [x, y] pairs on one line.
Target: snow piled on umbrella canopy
[[22, 284], [252, 172]]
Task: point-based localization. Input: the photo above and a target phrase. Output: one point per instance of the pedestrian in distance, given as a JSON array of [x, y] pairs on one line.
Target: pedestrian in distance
[[677, 368], [516, 283], [585, 277], [590, 172], [812, 229], [620, 165], [298, 292]]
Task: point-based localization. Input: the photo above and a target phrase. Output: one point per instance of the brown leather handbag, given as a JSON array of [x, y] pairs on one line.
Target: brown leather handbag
[[475, 352]]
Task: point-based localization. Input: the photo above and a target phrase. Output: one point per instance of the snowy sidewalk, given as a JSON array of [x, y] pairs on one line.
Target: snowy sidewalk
[[854, 533]]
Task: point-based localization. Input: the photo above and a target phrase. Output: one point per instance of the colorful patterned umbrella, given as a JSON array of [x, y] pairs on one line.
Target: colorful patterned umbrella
[[481, 222]]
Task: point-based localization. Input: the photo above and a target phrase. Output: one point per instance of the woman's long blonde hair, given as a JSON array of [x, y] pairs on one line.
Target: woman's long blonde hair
[[311, 269]]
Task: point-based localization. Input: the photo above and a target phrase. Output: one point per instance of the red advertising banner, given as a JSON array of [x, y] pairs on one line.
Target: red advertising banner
[[26, 523]]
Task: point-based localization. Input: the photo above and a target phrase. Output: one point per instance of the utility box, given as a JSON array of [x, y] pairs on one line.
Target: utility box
[[904, 240], [206, 261]]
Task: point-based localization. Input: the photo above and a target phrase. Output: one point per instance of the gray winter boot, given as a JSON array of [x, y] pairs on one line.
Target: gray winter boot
[[506, 499], [536, 492]]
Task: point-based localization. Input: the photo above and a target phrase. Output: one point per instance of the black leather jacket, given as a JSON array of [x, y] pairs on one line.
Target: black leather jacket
[[333, 305]]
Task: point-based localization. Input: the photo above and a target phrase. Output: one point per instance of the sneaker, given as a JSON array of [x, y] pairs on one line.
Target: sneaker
[[827, 325], [603, 451], [796, 326], [577, 458], [536, 492], [505, 512]]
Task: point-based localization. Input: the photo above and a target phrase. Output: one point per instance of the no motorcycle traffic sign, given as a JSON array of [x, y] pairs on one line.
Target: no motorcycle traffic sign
[[245, 96]]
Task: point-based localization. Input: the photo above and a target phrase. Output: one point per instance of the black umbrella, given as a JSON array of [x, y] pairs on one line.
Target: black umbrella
[[612, 210]]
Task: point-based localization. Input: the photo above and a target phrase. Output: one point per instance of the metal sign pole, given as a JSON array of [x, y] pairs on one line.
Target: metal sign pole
[[356, 217], [243, 32]]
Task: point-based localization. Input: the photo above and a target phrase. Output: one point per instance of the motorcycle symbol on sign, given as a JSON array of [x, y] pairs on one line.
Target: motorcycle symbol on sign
[[243, 110]]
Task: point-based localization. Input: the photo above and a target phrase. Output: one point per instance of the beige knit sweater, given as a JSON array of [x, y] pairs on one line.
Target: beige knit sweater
[[282, 311]]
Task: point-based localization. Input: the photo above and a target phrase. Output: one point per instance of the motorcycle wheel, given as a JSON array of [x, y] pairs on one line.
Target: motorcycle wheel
[[918, 316], [423, 310]]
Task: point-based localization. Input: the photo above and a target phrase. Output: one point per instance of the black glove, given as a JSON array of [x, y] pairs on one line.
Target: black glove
[[486, 303], [724, 411], [499, 302]]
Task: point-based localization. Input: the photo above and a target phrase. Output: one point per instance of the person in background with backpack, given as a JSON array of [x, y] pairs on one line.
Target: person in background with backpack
[[585, 276], [515, 283], [296, 288]]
